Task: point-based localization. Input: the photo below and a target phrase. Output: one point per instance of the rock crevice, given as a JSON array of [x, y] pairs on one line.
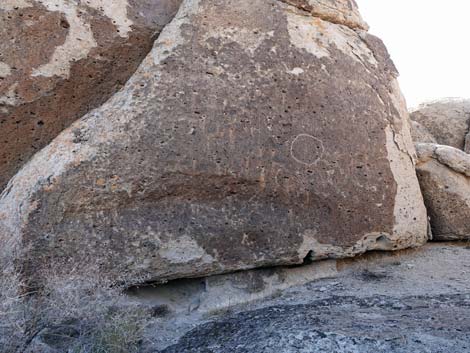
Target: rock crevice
[[453, 158], [341, 12]]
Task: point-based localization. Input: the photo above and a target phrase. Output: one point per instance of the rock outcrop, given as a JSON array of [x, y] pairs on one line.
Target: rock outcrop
[[440, 130], [444, 175], [255, 133], [59, 59], [447, 120]]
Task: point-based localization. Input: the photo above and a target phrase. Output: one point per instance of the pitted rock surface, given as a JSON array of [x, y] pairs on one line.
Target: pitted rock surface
[[253, 134], [444, 176], [59, 59], [447, 120]]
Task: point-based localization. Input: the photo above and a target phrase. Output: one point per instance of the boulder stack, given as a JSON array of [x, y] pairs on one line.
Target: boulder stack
[[255, 133], [440, 130], [444, 175]]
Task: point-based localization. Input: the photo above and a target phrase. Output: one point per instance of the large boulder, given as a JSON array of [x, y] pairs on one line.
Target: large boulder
[[253, 134], [446, 120], [59, 59], [444, 175], [420, 134]]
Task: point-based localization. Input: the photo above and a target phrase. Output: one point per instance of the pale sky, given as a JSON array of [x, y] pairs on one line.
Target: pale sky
[[429, 41]]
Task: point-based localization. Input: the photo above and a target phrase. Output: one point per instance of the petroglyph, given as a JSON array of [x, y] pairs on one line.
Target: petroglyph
[[307, 149]]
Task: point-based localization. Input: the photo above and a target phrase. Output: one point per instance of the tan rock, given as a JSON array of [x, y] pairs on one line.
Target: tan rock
[[447, 120], [344, 12], [420, 134], [444, 175]]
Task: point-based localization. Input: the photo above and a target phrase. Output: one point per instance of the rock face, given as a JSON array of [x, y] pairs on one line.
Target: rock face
[[59, 59], [253, 134], [420, 134], [444, 175], [447, 120]]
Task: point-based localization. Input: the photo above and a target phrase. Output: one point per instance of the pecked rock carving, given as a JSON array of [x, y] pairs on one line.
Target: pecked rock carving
[[306, 149], [245, 139]]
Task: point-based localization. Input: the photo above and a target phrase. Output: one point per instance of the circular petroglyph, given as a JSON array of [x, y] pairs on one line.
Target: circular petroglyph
[[306, 149]]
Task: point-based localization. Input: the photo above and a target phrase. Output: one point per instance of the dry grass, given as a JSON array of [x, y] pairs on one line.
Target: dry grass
[[14, 306], [74, 313]]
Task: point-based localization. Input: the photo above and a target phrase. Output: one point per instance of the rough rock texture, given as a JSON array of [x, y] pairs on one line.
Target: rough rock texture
[[344, 12], [59, 59], [388, 301], [440, 129], [253, 134], [447, 120], [420, 134], [339, 324], [444, 175], [381, 302]]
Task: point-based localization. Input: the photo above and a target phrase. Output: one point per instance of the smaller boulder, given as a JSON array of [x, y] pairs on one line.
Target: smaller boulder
[[446, 120], [444, 175]]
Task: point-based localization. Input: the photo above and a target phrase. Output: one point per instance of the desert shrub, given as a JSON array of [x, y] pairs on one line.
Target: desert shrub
[[77, 312], [15, 310], [116, 333], [103, 321]]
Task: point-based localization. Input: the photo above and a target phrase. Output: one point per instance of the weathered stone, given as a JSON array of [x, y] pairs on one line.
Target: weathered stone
[[380, 302], [343, 12], [252, 135], [420, 134], [59, 59], [444, 176], [377, 324], [447, 120]]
